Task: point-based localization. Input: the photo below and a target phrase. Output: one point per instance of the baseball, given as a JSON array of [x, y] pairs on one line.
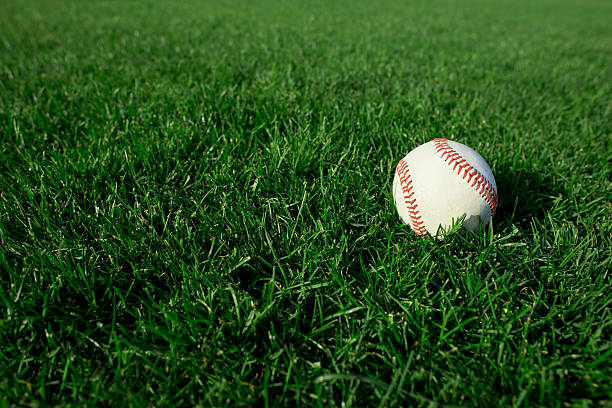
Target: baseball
[[441, 181]]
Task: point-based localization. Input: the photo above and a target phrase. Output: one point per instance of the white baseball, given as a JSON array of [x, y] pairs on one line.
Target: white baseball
[[439, 182]]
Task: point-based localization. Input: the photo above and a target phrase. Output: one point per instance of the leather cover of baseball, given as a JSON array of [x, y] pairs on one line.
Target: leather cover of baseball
[[440, 181]]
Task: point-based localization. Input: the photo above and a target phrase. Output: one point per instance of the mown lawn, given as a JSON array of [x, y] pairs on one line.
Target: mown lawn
[[196, 207]]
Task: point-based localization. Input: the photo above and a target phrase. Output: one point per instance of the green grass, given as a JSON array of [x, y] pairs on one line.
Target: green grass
[[195, 203]]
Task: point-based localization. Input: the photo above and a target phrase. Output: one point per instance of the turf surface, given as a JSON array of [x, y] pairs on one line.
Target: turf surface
[[195, 203]]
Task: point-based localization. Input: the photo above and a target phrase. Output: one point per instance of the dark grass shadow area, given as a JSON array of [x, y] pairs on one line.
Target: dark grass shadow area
[[524, 194]]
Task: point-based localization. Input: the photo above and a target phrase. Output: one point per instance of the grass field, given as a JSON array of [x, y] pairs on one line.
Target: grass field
[[196, 208]]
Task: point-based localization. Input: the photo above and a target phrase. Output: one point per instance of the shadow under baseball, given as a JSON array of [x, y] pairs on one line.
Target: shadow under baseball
[[524, 194]]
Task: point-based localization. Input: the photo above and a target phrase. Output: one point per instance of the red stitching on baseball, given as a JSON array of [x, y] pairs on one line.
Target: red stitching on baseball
[[413, 211], [480, 183]]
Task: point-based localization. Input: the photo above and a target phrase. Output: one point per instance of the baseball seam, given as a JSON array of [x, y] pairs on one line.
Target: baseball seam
[[473, 176], [407, 188]]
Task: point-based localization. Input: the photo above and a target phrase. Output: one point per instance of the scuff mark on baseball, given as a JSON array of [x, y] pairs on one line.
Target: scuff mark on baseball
[[440, 182]]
